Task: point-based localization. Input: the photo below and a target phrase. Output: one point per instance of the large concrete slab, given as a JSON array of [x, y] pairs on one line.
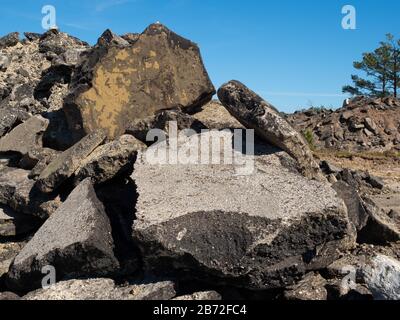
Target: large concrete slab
[[247, 230]]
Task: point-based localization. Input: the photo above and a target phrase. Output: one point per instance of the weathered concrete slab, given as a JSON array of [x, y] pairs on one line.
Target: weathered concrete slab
[[76, 240], [259, 231]]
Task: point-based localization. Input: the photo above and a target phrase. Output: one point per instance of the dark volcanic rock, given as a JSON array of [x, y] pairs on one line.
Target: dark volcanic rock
[[357, 214], [11, 117], [58, 136], [68, 162], [376, 182], [115, 86], [37, 157], [374, 275], [110, 38], [131, 37], [258, 231], [329, 168], [110, 160], [32, 36], [255, 113], [70, 59], [58, 74], [38, 161], [26, 137], [119, 197], [9, 40], [14, 184], [58, 42], [381, 228], [76, 240], [18, 192]]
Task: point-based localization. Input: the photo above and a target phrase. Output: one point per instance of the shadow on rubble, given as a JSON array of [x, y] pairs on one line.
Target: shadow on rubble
[[55, 74], [253, 145], [119, 197], [20, 226], [57, 136], [227, 292]]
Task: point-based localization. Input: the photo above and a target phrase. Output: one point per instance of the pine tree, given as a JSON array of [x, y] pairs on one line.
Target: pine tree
[[382, 70], [394, 70]]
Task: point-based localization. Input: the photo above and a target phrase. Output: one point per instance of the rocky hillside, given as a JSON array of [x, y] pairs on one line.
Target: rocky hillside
[[363, 124], [85, 209]]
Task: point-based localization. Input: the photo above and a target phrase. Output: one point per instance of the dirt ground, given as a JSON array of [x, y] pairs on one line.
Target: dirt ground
[[387, 168]]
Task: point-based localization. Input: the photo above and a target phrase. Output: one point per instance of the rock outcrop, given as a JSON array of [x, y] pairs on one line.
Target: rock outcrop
[[364, 124]]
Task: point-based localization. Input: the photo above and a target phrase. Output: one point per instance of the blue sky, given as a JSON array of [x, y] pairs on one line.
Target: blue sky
[[294, 53]]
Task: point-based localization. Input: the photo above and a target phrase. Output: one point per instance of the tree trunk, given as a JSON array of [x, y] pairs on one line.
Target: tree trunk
[[384, 88], [395, 78]]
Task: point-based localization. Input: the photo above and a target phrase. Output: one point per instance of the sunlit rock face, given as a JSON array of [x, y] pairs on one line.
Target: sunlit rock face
[[117, 84]]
